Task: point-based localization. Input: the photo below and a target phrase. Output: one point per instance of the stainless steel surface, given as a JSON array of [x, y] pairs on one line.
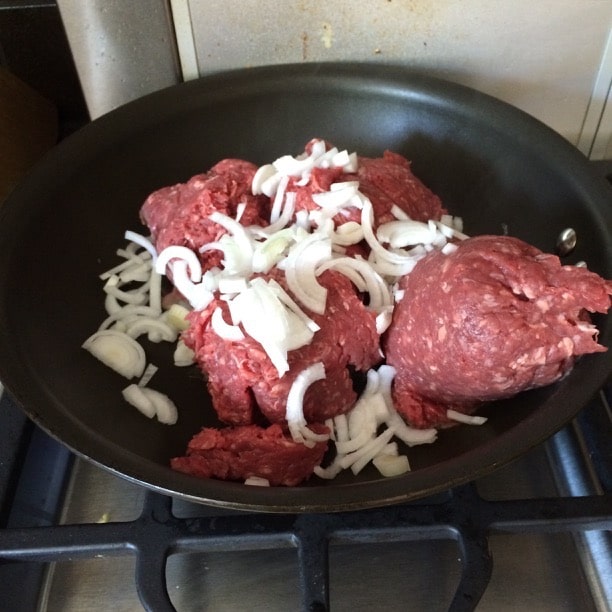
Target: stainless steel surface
[[122, 50], [574, 476], [566, 242], [531, 572]]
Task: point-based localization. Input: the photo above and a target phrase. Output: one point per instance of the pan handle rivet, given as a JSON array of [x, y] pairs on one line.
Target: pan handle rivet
[[566, 241]]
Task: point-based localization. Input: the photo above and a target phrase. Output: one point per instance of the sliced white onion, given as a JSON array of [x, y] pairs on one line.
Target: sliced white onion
[[260, 177], [452, 229], [111, 304], [197, 295], [257, 481], [294, 412], [390, 466], [468, 419], [231, 284], [277, 355], [284, 218], [286, 299], [302, 220], [148, 374], [335, 198], [380, 292], [183, 355], [137, 273], [295, 329], [449, 248], [269, 252], [360, 458], [243, 242], [368, 233], [129, 310], [393, 270], [181, 253], [140, 240], [302, 261], [134, 395], [347, 233], [165, 409], [279, 199], [267, 320], [383, 321], [301, 166], [155, 290], [240, 208], [400, 234], [136, 296], [176, 316], [154, 328], [323, 221], [224, 330], [352, 164], [117, 351], [329, 472], [130, 261], [398, 213], [151, 403], [355, 443]]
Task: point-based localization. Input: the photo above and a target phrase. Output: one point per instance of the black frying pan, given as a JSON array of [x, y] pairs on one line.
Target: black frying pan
[[493, 165]]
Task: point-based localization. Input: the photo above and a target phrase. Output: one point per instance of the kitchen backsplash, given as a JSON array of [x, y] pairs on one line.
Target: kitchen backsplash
[[550, 58]]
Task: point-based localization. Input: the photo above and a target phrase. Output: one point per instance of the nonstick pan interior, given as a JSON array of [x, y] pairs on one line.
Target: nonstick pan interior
[[499, 169]]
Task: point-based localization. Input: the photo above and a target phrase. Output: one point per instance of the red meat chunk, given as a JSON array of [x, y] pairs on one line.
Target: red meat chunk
[[386, 181], [178, 215], [507, 318], [242, 378], [389, 181], [237, 453]]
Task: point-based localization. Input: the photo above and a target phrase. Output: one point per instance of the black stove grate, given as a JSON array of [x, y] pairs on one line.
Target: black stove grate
[[460, 514]]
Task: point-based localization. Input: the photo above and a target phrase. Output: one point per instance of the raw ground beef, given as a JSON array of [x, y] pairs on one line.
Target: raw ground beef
[[493, 318], [242, 379], [507, 318], [389, 181], [238, 453], [243, 383], [178, 215], [386, 181]]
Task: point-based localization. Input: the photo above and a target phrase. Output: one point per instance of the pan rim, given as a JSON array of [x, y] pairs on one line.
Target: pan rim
[[302, 499]]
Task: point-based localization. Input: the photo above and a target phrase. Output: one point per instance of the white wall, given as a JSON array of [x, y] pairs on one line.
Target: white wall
[[547, 57], [543, 56]]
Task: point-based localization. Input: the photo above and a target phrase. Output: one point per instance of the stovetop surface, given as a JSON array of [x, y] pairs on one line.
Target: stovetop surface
[[531, 536]]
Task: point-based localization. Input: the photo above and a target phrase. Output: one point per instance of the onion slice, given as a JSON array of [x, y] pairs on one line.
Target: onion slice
[[294, 412], [302, 261], [181, 253], [140, 240], [468, 419], [151, 403], [118, 351], [154, 328], [225, 330], [134, 395], [183, 355], [389, 465]]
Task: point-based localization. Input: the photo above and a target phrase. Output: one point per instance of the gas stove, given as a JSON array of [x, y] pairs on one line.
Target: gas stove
[[535, 535]]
